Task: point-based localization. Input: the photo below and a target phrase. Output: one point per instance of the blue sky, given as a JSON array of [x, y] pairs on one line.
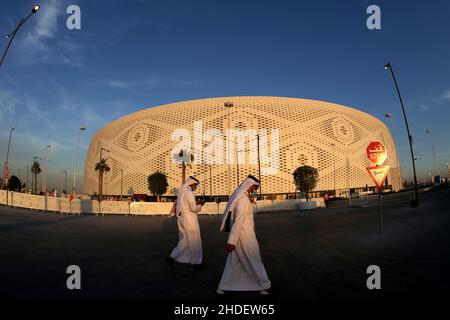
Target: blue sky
[[131, 55]]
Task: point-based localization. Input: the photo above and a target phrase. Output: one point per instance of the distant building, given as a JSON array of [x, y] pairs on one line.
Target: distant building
[[330, 137]]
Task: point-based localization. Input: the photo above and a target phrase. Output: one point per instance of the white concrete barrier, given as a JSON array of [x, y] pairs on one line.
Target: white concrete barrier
[[22, 200], [94, 207], [65, 206], [210, 208], [115, 207], [53, 204], [307, 205], [290, 204], [2, 197], [87, 206], [263, 205], [222, 206], [143, 208]]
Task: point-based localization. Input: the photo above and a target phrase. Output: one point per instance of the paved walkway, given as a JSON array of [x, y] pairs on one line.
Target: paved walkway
[[321, 254]]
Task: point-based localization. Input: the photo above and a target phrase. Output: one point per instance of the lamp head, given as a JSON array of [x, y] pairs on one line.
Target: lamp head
[[35, 8], [387, 66]]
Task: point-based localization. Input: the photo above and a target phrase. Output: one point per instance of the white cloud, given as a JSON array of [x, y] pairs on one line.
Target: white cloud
[[47, 19], [424, 107], [89, 116], [187, 82], [8, 105], [118, 84], [132, 84], [42, 43], [446, 95], [35, 47]]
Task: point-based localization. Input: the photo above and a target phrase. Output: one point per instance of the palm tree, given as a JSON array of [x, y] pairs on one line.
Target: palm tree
[[35, 170], [102, 167]]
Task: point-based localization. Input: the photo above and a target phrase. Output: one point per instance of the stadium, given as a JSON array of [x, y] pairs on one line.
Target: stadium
[[279, 135]]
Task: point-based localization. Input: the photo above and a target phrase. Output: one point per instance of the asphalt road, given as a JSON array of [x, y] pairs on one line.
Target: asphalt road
[[319, 254]]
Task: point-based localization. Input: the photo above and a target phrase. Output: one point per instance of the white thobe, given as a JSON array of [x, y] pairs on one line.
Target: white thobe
[[244, 270], [189, 247]]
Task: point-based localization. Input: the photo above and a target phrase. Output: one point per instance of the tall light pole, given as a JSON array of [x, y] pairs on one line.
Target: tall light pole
[[210, 181], [121, 183], [448, 169], [99, 181], [65, 181], [44, 178], [75, 165], [205, 167], [259, 167], [185, 164], [28, 169], [228, 105], [12, 34], [436, 164], [334, 168], [415, 201], [6, 173], [237, 163], [388, 116], [421, 171], [237, 166]]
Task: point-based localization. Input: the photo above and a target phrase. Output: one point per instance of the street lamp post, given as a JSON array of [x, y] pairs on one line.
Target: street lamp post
[[6, 173], [448, 169], [28, 169], [208, 165], [99, 182], [237, 167], [44, 178], [205, 167], [436, 164], [210, 181], [334, 169], [12, 34], [259, 168], [237, 162], [388, 116], [415, 201], [121, 183], [65, 181], [185, 164], [421, 171], [228, 105], [75, 165]]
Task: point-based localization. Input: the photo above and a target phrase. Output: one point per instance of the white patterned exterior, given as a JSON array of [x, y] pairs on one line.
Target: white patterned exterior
[[140, 144]]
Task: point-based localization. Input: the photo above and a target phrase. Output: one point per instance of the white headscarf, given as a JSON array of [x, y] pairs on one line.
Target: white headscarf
[[235, 197], [176, 209]]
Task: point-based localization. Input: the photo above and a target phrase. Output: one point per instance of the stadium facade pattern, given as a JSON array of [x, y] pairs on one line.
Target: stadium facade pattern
[[324, 135]]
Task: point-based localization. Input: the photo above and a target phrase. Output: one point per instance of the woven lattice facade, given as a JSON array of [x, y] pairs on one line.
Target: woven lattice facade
[[330, 137]]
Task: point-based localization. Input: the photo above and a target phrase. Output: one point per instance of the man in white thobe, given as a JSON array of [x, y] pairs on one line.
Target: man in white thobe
[[244, 270], [186, 209]]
